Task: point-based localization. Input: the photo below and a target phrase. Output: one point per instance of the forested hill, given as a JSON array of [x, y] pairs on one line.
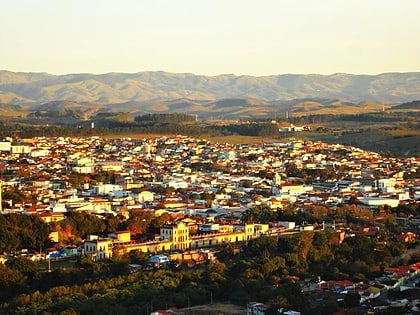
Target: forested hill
[[114, 88]]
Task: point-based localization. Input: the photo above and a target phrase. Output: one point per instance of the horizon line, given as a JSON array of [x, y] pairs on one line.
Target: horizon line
[[208, 75]]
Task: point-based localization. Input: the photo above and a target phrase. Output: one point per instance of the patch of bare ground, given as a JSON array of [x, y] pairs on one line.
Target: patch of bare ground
[[215, 309]]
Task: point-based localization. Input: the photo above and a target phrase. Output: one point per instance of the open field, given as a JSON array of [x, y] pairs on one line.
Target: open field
[[215, 309], [67, 263]]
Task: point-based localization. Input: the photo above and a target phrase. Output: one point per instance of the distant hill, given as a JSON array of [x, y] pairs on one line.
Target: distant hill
[[194, 90], [414, 105], [236, 108], [8, 110]]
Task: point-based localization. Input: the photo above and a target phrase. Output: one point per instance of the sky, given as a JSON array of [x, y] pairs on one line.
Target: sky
[[210, 37]]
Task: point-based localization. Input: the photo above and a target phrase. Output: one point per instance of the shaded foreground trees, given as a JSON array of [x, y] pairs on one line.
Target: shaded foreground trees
[[265, 269], [17, 232]]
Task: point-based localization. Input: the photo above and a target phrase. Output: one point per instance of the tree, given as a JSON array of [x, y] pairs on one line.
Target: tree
[[262, 246], [23, 265], [112, 222], [258, 214], [11, 282], [82, 224], [157, 222], [289, 295], [17, 232], [352, 299], [304, 244], [139, 221], [119, 266]]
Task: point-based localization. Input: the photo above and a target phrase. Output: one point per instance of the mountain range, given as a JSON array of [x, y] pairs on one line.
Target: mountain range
[[223, 95]]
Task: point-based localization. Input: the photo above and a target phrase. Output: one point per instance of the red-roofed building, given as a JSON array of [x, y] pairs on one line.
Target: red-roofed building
[[171, 311], [406, 236], [337, 286]]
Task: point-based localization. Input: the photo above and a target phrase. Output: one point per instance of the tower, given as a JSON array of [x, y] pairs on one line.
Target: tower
[[275, 185]]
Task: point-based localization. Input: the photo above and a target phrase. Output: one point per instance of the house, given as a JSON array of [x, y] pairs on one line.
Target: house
[[110, 166], [70, 251], [53, 236], [159, 259], [406, 236], [98, 248], [120, 236], [386, 184], [49, 217], [336, 286], [292, 189], [256, 308], [171, 311], [144, 196]]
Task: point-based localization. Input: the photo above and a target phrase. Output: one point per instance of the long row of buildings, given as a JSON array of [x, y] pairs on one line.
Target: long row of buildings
[[173, 237]]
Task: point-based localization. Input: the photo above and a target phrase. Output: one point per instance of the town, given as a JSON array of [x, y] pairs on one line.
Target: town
[[207, 195]]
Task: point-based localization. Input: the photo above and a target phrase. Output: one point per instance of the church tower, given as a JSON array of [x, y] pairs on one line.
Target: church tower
[[275, 185]]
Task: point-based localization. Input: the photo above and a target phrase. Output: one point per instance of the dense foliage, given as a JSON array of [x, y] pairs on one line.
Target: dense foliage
[[263, 270], [17, 232], [173, 118]]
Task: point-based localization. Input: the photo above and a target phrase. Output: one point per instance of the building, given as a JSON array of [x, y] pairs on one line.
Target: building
[[292, 189], [177, 233], [255, 308], [98, 248], [386, 184], [375, 202], [121, 236], [158, 260]]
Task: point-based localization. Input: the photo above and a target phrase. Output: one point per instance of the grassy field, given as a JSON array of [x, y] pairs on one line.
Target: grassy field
[[68, 263], [217, 308]]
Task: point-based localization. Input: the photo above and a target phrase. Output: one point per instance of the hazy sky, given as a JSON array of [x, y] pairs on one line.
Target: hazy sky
[[258, 37]]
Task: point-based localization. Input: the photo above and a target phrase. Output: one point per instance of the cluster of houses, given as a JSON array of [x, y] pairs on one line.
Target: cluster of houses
[[188, 177], [374, 297], [141, 165], [185, 176]]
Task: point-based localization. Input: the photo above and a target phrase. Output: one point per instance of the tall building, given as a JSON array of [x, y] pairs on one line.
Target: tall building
[[276, 184], [177, 233]]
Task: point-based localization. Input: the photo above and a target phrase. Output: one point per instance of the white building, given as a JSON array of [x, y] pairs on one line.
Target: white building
[[255, 308], [105, 189], [5, 146], [386, 184], [144, 196], [98, 248], [378, 201]]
